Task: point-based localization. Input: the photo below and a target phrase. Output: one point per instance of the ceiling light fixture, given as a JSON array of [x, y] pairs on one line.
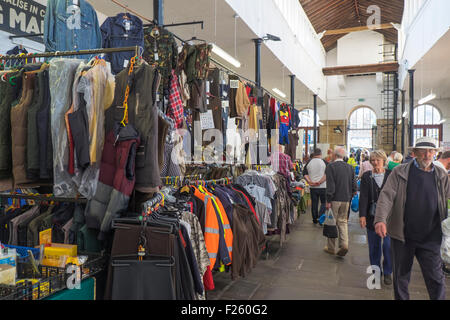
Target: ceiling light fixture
[[405, 114], [321, 123], [279, 92], [224, 55], [428, 98], [271, 37]]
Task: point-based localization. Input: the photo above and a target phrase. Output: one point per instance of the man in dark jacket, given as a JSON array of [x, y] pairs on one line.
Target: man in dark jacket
[[410, 209], [341, 186]]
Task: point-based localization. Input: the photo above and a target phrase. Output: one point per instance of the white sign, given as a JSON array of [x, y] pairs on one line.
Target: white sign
[[206, 120]]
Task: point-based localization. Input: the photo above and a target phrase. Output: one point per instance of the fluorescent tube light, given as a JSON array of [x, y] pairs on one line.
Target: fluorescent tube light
[[279, 92], [405, 114], [427, 98], [321, 123], [400, 122], [442, 121], [224, 55]]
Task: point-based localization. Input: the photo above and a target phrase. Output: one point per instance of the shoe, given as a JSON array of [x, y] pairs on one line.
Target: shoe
[[387, 279], [328, 251], [342, 251], [315, 222], [321, 224]]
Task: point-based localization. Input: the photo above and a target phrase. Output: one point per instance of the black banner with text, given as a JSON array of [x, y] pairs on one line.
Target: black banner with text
[[22, 17]]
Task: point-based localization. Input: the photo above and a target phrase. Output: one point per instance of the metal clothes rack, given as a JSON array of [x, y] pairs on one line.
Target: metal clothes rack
[[41, 197], [136, 49]]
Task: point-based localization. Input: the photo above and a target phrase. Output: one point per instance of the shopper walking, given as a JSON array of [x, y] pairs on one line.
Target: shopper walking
[[341, 186], [372, 182], [444, 161], [365, 165], [314, 173], [398, 158], [410, 209]]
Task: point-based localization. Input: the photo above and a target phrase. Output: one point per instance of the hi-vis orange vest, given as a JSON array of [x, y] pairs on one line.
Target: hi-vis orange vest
[[212, 235], [228, 233]]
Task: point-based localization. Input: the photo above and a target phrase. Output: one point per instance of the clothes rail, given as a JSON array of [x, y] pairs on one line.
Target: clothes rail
[[41, 197], [136, 49], [150, 204]]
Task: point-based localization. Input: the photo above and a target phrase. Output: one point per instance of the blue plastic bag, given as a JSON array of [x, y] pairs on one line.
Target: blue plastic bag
[[322, 218], [355, 203]]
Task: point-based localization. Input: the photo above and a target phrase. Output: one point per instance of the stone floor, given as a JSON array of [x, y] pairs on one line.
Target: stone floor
[[301, 270]]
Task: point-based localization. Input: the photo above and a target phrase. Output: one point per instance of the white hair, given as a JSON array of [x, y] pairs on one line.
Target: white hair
[[398, 157], [340, 152]]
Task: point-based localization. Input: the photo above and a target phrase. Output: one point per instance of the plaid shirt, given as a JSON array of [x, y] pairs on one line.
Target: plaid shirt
[[175, 110], [282, 163]]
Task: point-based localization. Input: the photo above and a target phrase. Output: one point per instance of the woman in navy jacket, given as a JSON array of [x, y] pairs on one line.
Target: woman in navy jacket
[[371, 184]]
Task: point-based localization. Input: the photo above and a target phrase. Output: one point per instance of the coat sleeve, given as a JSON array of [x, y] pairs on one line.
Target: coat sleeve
[[105, 30], [354, 185], [330, 183], [364, 196], [49, 27], [386, 198]]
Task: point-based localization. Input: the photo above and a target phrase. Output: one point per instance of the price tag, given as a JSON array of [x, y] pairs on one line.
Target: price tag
[[234, 84], [225, 104], [127, 25], [206, 120], [208, 85], [125, 63], [156, 56], [76, 2]]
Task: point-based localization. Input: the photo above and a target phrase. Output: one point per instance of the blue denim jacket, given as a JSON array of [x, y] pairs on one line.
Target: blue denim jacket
[[64, 30], [116, 33]]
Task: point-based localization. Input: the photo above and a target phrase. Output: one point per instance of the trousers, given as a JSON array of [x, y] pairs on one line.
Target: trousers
[[379, 247], [340, 213], [316, 194], [429, 258]]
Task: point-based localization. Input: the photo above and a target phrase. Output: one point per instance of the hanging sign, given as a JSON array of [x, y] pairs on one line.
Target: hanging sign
[[206, 120], [22, 17]]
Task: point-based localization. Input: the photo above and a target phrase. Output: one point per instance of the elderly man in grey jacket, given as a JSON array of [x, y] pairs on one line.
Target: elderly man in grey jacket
[[410, 209]]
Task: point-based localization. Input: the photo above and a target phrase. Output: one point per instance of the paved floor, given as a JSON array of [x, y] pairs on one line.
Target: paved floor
[[300, 269]]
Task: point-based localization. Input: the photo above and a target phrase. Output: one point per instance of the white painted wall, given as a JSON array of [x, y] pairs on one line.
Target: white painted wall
[[420, 31], [301, 56], [343, 93], [359, 48]]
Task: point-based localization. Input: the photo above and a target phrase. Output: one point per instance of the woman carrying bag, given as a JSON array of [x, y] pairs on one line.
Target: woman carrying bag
[[372, 182]]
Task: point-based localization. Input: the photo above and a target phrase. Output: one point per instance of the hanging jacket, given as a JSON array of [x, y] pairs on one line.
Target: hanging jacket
[[242, 101], [225, 249], [69, 27], [123, 30], [19, 130], [116, 180], [143, 114]]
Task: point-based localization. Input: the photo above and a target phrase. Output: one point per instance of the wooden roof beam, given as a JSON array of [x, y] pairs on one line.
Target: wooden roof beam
[[361, 69], [355, 29]]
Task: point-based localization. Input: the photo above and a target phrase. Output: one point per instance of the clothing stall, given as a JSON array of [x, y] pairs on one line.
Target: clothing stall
[[101, 150]]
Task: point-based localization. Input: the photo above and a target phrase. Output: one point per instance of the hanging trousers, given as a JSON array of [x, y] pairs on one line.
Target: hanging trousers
[[126, 242], [429, 258]]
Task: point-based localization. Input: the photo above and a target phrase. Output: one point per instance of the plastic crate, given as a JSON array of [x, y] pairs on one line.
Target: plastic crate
[[22, 252], [50, 280]]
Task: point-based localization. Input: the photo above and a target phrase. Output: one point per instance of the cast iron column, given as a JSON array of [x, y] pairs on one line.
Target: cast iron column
[[411, 107], [395, 110], [315, 121], [403, 121], [158, 12], [258, 42]]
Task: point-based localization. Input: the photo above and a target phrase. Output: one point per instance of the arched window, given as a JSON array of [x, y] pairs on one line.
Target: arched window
[[361, 124], [427, 122], [307, 124]]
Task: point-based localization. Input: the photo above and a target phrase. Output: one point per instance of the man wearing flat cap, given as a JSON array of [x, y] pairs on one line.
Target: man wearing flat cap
[[410, 209]]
